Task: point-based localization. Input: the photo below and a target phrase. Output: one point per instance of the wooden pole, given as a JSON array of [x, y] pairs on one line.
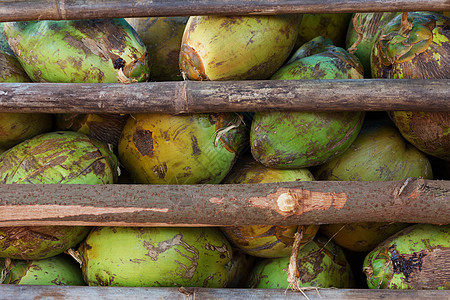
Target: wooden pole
[[290, 203], [179, 97], [27, 10], [9, 291]]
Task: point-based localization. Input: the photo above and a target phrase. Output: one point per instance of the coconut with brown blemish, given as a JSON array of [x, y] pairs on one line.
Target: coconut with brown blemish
[[321, 263], [52, 158], [289, 140], [367, 25], [59, 157], [101, 50], [236, 47], [416, 46], [56, 270], [414, 258], [10, 68], [39, 242], [156, 256], [185, 149]]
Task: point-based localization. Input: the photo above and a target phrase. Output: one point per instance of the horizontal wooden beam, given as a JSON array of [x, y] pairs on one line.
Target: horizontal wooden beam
[[179, 97], [112, 293], [291, 203], [26, 10]]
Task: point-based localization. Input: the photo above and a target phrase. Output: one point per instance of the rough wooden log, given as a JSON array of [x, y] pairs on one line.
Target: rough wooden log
[[290, 203], [112, 293], [220, 96], [25, 10]]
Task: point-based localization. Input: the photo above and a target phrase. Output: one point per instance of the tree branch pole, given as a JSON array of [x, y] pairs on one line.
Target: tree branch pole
[[180, 97], [11, 291], [310, 202], [27, 10]]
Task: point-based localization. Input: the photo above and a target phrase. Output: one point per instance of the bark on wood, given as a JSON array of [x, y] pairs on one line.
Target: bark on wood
[[221, 96], [325, 202], [112, 293], [26, 10]]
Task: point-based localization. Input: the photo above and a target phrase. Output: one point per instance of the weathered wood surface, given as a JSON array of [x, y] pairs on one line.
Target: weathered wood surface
[[412, 200], [220, 96], [119, 293], [25, 10]]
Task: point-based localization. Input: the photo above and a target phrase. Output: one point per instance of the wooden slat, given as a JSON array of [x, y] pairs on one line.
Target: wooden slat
[[25, 10], [16, 10], [119, 293], [312, 202], [220, 96]]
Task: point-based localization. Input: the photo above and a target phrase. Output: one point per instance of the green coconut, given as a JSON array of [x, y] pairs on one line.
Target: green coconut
[[56, 270], [4, 46], [162, 36], [39, 242], [362, 236], [417, 47], [316, 45], [101, 50], [17, 127], [288, 140], [162, 257], [368, 24], [106, 128], [332, 26], [184, 149], [414, 258], [427, 131], [320, 263], [10, 68], [266, 240], [379, 153], [248, 171], [52, 158], [237, 47], [59, 157]]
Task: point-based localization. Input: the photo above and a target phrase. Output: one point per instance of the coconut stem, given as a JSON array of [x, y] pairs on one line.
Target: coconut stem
[[4, 271], [186, 292], [2, 275], [222, 131], [357, 29], [293, 274], [123, 78], [406, 25], [75, 255]]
